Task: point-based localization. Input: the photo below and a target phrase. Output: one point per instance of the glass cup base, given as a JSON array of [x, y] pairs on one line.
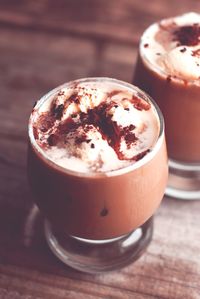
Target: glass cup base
[[184, 181], [97, 256]]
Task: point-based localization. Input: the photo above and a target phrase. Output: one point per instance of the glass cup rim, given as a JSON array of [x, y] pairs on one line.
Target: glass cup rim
[[37, 149], [155, 67]]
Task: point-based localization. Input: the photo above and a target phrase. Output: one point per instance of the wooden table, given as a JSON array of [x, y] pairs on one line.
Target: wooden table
[[45, 43]]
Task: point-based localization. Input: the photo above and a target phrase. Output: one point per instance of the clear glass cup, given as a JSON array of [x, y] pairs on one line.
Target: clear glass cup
[[96, 222], [179, 102]]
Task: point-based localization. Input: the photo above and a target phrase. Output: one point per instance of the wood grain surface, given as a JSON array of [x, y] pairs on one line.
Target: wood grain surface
[[44, 43]]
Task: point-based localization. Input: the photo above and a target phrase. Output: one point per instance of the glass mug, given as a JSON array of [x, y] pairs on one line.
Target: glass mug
[[180, 105], [96, 222]]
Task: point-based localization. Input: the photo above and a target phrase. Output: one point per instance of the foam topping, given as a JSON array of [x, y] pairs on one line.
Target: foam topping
[[95, 127], [173, 45]]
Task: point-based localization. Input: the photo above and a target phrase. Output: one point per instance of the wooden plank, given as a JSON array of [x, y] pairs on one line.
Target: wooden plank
[[103, 20]]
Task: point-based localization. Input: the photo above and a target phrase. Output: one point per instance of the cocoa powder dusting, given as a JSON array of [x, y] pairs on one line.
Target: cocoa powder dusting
[[57, 111], [66, 126], [196, 53], [113, 93], [45, 121], [52, 139], [187, 35], [81, 139], [109, 129], [74, 98], [140, 104], [141, 155], [97, 117]]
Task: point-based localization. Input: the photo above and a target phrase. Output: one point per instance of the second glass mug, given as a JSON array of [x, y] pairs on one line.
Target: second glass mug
[[97, 222], [180, 105]]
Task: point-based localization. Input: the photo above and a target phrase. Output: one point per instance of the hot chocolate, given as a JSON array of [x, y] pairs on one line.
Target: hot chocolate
[[168, 69], [97, 157]]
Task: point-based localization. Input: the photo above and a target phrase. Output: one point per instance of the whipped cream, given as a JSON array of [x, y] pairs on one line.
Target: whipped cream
[[173, 46], [95, 126]]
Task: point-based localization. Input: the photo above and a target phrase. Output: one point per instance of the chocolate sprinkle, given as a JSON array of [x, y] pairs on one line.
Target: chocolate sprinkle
[[183, 50], [73, 115], [104, 212], [169, 79]]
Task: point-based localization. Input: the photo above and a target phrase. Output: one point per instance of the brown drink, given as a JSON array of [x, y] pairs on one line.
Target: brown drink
[[97, 159], [168, 68]]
